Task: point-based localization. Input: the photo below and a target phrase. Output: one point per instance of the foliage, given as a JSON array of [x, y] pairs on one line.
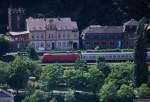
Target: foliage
[[81, 65], [126, 93], [74, 79], [37, 96], [51, 75], [4, 72], [102, 66], [108, 92], [143, 91], [32, 53], [70, 96], [141, 68], [4, 46], [114, 84], [21, 69], [95, 79]]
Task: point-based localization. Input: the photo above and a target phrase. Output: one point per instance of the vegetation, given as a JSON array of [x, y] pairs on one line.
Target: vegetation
[[4, 46], [32, 53], [141, 68], [96, 83], [86, 12]]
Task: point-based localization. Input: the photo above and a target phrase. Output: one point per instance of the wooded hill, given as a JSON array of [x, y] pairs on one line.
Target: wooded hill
[[86, 12]]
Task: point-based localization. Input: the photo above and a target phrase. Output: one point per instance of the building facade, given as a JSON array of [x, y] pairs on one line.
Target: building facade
[[5, 96], [18, 41], [109, 37], [53, 33], [16, 19]]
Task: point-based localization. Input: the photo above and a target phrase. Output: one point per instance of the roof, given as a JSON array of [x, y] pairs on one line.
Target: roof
[[4, 93], [103, 29], [50, 23], [131, 22], [19, 33]]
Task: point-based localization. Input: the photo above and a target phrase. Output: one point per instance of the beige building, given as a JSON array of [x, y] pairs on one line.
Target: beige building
[[53, 33], [5, 96]]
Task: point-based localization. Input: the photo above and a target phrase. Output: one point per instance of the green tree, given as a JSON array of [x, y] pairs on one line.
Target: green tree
[[81, 65], [95, 79], [126, 93], [108, 92], [120, 74], [4, 72], [32, 53], [53, 100], [141, 68], [102, 66], [19, 73], [143, 91], [37, 96], [70, 96], [74, 78], [51, 76], [4, 45]]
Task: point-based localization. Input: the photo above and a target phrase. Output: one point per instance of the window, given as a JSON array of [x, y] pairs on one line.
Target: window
[[37, 36], [59, 36], [42, 36], [49, 36]]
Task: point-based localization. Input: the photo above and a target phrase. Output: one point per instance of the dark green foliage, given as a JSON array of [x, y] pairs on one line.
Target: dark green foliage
[[141, 68], [81, 65], [4, 72], [70, 96], [21, 69], [126, 93], [94, 78], [32, 53], [102, 66], [51, 76], [113, 88], [7, 58], [4, 46], [37, 96], [143, 91]]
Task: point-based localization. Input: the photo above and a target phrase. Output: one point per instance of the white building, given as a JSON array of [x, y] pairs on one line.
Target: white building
[[5, 96], [53, 33]]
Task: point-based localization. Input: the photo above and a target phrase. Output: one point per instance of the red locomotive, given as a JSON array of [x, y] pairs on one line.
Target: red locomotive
[[60, 57]]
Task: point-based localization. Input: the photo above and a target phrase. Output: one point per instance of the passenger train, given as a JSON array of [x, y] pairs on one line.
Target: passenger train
[[89, 57]]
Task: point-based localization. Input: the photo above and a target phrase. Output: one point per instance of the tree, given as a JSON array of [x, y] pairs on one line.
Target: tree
[[121, 74], [4, 45], [4, 72], [102, 66], [31, 52], [143, 91], [81, 65], [74, 79], [108, 92], [126, 93], [70, 96], [141, 68], [95, 79], [37, 96], [51, 76], [18, 75]]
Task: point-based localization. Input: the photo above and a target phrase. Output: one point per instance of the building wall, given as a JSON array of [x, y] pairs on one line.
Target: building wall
[[109, 41], [16, 19], [54, 39], [6, 99]]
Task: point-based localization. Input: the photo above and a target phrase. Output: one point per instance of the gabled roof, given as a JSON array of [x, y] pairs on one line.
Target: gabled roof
[[50, 23], [103, 29], [131, 22], [4, 93]]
